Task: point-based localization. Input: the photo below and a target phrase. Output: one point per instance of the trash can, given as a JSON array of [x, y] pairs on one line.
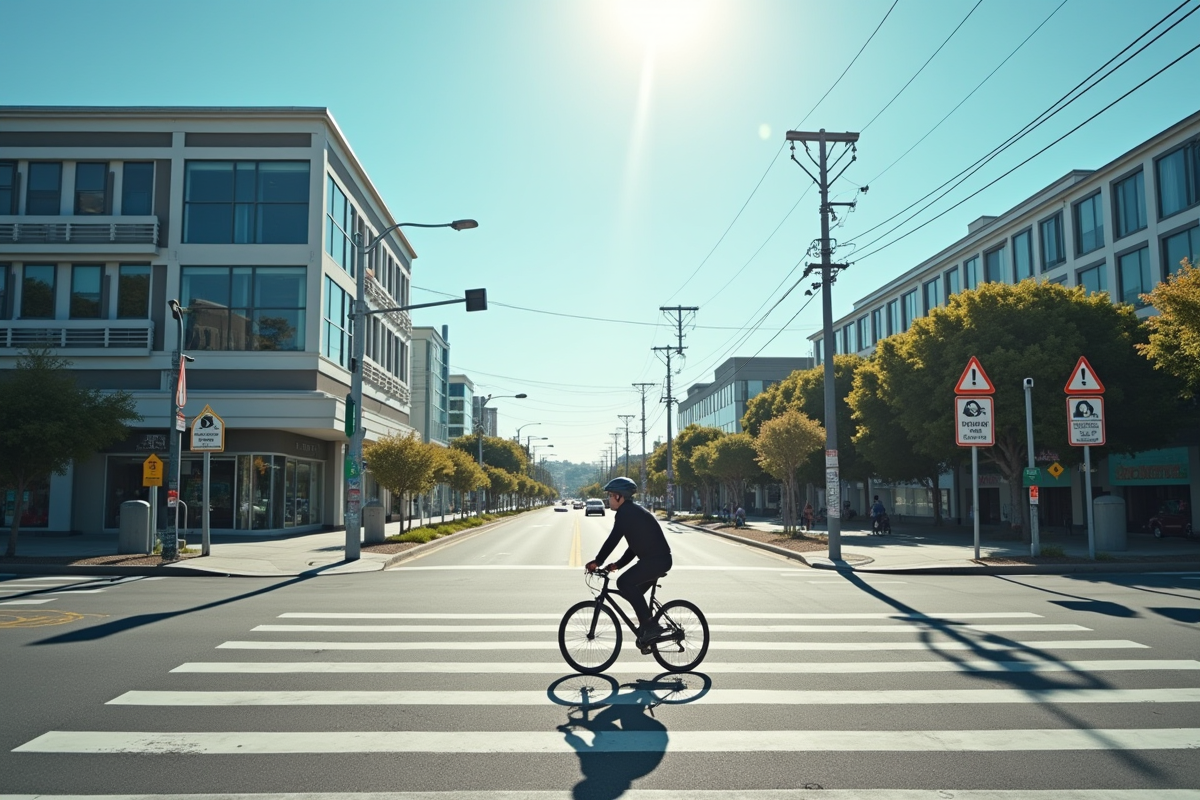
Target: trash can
[[372, 514], [134, 536], [1110, 524]]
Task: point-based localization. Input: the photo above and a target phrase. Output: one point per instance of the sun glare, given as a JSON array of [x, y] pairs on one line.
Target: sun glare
[[661, 23]]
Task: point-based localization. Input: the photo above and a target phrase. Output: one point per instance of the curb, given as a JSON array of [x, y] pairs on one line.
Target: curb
[[780, 551], [170, 570], [442, 541]]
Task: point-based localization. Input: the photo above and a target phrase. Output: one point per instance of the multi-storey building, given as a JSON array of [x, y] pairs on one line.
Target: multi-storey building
[[485, 418], [461, 406], [247, 217], [722, 403], [431, 383], [1119, 229]]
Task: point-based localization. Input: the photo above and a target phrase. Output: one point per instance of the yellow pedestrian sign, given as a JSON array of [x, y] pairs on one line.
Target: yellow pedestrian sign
[[152, 471]]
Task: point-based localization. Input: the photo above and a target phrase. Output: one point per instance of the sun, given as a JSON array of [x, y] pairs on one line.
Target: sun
[[661, 23]]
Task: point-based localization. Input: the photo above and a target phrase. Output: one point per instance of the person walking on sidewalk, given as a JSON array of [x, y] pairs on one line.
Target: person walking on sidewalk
[[807, 517]]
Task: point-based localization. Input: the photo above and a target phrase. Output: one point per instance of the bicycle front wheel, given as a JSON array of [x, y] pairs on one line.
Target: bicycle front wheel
[[685, 646], [589, 637]]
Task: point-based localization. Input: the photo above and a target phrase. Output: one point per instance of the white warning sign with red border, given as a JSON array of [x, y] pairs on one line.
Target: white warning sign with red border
[[1085, 420], [974, 380], [1083, 379], [974, 421]]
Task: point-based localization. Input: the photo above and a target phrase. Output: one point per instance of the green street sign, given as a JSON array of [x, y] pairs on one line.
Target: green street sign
[[1031, 476]]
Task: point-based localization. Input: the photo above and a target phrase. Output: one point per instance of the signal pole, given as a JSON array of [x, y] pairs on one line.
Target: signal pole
[[642, 388], [833, 490], [679, 312], [625, 418]]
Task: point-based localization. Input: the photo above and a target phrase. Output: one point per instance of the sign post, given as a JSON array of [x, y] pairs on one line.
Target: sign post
[[1085, 427], [208, 437], [152, 475], [976, 428]]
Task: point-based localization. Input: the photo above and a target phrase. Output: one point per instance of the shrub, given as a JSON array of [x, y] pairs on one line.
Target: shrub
[[1053, 551]]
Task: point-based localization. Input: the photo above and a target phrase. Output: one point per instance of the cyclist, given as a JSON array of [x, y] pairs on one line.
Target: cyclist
[[645, 541], [877, 514]]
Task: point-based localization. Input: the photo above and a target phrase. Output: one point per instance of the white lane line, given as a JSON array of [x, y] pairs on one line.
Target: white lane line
[[713, 628], [63, 590], [776, 668], [795, 741], [718, 615], [543, 644], [847, 583], [509, 567], [27, 602], [677, 794], [60, 578]]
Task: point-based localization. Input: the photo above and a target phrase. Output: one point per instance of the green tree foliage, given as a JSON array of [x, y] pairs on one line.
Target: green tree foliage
[[47, 421], [686, 441], [733, 461], [404, 465], [503, 453], [804, 391], [1030, 330], [1174, 341], [783, 443], [467, 475], [500, 483]]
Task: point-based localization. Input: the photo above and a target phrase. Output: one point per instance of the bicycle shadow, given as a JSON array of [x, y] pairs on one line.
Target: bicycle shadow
[[623, 741]]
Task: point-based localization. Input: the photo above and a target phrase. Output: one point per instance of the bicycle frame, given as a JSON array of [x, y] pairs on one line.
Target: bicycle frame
[[605, 595]]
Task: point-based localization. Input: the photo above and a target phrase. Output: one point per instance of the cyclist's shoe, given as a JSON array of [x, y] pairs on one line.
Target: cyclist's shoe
[[650, 634]]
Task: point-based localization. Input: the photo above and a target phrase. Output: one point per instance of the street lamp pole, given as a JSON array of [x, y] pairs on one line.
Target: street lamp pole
[[479, 436], [170, 542], [520, 428], [354, 425], [528, 441]]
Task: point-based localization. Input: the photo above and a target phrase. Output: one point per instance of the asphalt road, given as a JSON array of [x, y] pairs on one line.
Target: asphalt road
[[443, 676]]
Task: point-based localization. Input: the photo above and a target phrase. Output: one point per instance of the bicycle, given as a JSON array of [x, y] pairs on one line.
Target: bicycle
[[589, 635]]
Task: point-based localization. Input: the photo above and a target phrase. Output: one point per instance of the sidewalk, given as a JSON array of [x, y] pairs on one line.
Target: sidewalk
[[950, 550], [910, 548]]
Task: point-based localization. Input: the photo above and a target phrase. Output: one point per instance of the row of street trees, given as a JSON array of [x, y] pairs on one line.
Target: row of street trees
[[896, 408]]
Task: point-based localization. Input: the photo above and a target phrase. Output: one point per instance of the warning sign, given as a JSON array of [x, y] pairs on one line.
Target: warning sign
[[976, 426], [974, 380], [152, 471], [1083, 379], [208, 432], [1085, 421]]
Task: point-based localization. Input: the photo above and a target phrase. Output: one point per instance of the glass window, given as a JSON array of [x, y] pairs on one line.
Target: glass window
[[37, 291], [1134, 272], [933, 294], [1178, 179], [850, 332], [1089, 225], [877, 326], [894, 324], [951, 277], [336, 324], [1094, 279], [244, 308], [971, 272], [91, 188], [8, 184], [137, 189], [819, 351], [1022, 256], [864, 332], [133, 291], [1050, 232], [4, 291], [993, 266], [909, 303], [85, 291], [1129, 204], [43, 196], [1176, 248], [339, 227], [246, 202]]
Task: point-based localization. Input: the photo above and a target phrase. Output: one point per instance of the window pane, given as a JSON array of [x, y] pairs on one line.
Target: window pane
[[1094, 279], [242, 280], [1130, 198], [1172, 183], [1089, 225], [283, 224], [1135, 276], [279, 287], [37, 291], [133, 292], [85, 291], [244, 182], [3, 291], [137, 188], [993, 265], [951, 282], [1022, 256], [207, 284], [208, 224], [971, 273], [1052, 242], [45, 182], [8, 178], [209, 182], [1180, 246], [283, 182], [278, 329], [91, 188]]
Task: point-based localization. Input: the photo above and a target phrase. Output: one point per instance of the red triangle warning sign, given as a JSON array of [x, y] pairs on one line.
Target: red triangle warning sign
[[974, 380], [1083, 379]]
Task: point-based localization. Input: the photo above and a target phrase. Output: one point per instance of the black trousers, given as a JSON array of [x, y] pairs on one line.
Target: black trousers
[[637, 580]]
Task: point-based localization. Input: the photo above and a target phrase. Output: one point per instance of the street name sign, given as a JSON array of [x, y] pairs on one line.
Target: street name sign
[[974, 428], [152, 471], [1085, 420], [974, 380], [1083, 379], [208, 432]]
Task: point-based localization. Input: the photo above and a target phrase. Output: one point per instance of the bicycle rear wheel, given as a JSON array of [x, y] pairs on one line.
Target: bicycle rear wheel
[[686, 645], [589, 637]]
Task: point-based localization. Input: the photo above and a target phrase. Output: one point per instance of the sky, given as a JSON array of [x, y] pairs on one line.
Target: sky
[[621, 156]]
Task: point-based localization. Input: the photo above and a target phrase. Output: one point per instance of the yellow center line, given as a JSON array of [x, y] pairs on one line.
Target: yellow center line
[[576, 558]]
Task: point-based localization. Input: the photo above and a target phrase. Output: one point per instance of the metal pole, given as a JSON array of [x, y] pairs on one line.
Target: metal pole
[[170, 541], [205, 540], [670, 446], [1087, 483], [642, 387], [1035, 544], [833, 483], [353, 467], [975, 496], [479, 438]]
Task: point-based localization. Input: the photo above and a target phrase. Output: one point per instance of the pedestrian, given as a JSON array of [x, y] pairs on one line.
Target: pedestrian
[[807, 516], [739, 518]]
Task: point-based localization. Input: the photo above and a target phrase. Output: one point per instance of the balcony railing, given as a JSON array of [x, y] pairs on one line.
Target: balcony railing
[[137, 234], [376, 292], [385, 382], [78, 334]]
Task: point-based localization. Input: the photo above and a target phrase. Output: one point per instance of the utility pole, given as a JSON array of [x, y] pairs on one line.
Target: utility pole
[[679, 312], [833, 492], [625, 418], [641, 387]]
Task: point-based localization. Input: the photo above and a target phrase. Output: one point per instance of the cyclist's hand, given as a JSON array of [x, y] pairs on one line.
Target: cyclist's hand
[[611, 568], [591, 567]]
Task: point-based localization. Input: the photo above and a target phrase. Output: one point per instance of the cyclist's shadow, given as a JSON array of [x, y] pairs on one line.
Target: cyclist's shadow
[[620, 743]]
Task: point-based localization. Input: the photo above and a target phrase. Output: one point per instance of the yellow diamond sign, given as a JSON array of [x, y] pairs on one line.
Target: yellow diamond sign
[[1055, 469]]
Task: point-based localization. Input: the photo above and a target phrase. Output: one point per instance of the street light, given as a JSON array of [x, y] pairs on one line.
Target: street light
[[483, 401], [476, 300], [531, 438], [533, 453], [517, 438], [170, 544]]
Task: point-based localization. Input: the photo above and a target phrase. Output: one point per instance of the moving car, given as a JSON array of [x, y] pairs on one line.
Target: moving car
[[561, 507], [593, 506], [1174, 518], [578, 504]]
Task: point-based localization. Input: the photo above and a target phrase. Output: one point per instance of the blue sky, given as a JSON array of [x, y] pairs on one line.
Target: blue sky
[[611, 150]]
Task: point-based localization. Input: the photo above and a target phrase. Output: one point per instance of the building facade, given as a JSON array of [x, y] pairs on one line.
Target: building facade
[[485, 418], [431, 383], [248, 218], [722, 403], [1120, 229], [461, 406]]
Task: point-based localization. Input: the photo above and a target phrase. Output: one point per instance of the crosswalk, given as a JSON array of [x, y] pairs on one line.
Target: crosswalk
[[495, 664], [18, 590]]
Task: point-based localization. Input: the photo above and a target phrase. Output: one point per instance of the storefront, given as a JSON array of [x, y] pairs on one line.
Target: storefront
[[1149, 481]]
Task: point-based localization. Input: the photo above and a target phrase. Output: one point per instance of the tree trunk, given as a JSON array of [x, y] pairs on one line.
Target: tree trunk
[[18, 509]]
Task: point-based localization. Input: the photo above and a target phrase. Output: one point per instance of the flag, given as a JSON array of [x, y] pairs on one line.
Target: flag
[[181, 392]]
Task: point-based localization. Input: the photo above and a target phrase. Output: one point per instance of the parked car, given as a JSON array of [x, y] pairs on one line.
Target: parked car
[[593, 506], [1174, 518], [578, 504]]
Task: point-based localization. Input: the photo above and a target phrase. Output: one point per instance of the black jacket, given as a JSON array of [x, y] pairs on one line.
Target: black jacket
[[641, 532]]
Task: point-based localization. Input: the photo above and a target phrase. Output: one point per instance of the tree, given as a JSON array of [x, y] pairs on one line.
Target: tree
[[686, 441], [503, 453], [734, 462], [782, 444], [500, 483], [1030, 330], [467, 475], [47, 421], [404, 465], [1173, 345]]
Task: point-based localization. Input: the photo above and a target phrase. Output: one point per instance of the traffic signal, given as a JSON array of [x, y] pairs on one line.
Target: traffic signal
[[476, 299]]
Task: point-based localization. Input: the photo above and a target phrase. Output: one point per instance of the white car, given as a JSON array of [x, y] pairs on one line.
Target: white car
[[593, 506]]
